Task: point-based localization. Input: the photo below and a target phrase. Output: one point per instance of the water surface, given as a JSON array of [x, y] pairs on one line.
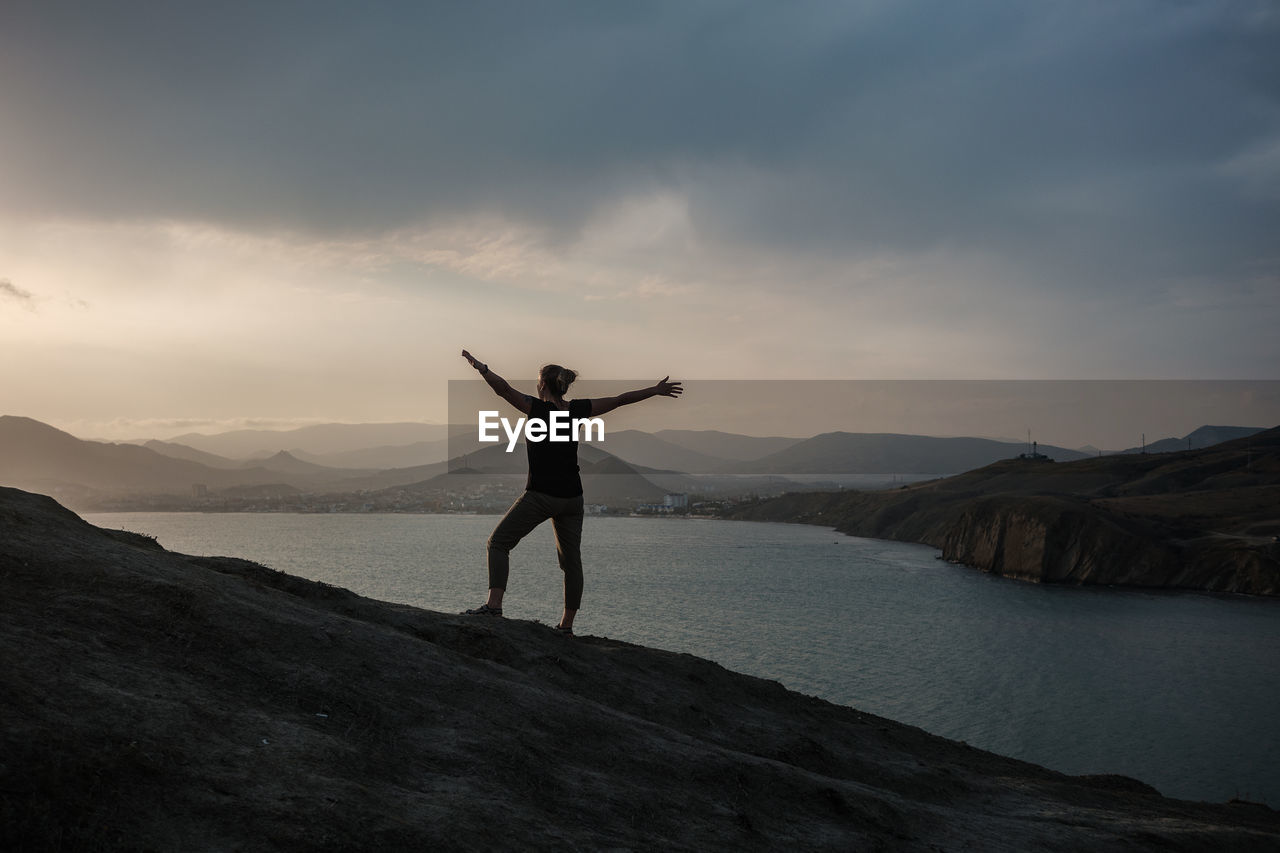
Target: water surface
[[1178, 690]]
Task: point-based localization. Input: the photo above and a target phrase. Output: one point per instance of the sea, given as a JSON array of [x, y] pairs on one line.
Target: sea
[[1180, 690]]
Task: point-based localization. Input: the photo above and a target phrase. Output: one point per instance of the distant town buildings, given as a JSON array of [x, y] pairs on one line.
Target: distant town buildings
[[670, 504]]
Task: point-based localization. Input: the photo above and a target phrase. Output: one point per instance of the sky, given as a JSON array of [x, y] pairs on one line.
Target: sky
[[273, 214]]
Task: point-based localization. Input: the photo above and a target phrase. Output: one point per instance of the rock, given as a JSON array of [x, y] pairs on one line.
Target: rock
[[154, 701]]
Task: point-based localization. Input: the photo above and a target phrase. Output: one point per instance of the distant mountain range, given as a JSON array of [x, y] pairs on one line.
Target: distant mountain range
[[38, 457], [642, 448], [182, 451], [888, 453], [1205, 436], [318, 440]]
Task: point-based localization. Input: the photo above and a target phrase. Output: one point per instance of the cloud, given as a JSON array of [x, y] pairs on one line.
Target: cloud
[[823, 123], [1110, 163], [10, 291], [1257, 169]]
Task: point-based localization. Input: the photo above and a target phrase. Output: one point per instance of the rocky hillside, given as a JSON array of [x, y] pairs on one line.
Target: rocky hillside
[[1199, 519], [154, 701]]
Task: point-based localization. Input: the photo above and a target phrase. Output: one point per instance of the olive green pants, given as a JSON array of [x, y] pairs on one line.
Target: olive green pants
[[530, 510]]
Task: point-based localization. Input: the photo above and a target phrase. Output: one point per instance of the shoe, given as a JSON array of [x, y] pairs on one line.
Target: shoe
[[484, 610], [561, 629]]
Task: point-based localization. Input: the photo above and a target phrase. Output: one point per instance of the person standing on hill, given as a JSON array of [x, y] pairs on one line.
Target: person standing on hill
[[554, 487]]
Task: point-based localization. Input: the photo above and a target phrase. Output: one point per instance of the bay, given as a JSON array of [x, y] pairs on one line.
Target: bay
[[1176, 689]]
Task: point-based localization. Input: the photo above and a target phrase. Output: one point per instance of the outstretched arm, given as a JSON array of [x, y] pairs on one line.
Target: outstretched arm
[[663, 388], [499, 385]]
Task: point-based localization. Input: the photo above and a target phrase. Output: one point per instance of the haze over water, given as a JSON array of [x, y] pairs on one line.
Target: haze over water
[[1177, 690]]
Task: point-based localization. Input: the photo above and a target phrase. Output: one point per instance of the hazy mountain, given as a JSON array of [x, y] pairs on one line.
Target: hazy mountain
[[319, 439], [642, 448], [489, 459], [494, 459], [390, 478], [486, 460], [1205, 436], [36, 455], [609, 482], [182, 451], [285, 463], [605, 478], [726, 445], [381, 458], [888, 453]]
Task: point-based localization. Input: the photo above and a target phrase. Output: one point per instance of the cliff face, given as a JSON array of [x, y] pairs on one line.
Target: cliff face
[[1063, 541], [154, 701], [1202, 520]]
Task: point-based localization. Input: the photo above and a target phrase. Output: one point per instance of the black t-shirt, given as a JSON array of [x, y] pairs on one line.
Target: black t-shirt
[[553, 465]]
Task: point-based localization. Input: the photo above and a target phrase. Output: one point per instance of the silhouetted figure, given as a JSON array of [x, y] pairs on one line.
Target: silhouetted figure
[[554, 488]]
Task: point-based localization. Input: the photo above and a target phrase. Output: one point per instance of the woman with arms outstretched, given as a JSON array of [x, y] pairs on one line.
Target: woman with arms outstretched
[[554, 488]]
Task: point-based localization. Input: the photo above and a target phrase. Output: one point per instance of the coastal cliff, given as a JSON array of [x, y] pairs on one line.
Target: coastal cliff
[[1200, 519], [155, 701]]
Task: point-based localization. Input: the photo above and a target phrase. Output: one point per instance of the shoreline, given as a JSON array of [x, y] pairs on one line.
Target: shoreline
[[298, 737], [729, 640]]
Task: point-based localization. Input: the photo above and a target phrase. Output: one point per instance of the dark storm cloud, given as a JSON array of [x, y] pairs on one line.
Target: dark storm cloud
[[1084, 137]]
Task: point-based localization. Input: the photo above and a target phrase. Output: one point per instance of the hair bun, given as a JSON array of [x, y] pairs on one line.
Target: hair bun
[[557, 378]]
